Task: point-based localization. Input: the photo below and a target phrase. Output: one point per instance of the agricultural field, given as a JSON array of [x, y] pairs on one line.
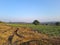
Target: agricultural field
[[29, 34], [51, 30], [29, 22]]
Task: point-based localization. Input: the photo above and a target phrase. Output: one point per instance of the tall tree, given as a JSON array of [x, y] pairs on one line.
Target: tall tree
[[36, 22]]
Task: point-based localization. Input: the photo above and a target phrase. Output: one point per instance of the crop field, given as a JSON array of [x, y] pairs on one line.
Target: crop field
[[50, 30], [29, 34]]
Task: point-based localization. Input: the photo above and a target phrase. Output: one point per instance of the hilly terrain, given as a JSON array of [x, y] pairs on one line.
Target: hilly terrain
[[10, 35]]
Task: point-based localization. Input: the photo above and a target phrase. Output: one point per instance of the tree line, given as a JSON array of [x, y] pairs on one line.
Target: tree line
[[36, 22]]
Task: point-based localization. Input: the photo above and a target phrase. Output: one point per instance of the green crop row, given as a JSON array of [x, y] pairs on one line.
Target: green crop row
[[46, 29]]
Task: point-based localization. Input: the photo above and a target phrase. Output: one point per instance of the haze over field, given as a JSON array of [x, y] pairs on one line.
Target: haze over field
[[29, 10]]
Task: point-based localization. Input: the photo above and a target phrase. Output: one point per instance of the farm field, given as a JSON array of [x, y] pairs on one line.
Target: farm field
[[50, 30], [29, 34], [29, 22]]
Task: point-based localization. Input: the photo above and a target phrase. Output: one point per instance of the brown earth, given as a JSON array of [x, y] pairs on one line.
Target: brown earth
[[24, 36]]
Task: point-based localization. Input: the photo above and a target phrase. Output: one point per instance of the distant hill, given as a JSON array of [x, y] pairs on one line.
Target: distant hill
[[19, 22], [48, 23], [1, 22]]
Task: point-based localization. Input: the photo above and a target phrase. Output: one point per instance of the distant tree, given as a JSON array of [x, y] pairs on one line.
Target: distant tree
[[36, 22], [57, 23], [46, 24]]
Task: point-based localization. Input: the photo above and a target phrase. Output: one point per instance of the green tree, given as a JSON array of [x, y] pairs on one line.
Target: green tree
[[36, 22], [57, 23]]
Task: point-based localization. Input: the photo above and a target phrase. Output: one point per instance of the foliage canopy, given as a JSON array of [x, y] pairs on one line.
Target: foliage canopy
[[36, 22]]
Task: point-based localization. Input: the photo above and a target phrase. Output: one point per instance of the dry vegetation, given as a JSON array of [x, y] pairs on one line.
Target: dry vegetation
[[24, 36]]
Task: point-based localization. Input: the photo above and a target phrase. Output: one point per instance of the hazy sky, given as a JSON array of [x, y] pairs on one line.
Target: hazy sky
[[29, 10]]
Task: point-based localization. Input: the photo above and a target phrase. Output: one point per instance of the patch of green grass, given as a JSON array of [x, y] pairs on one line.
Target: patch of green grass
[[46, 29]]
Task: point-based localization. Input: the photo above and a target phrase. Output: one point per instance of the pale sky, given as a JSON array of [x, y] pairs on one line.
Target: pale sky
[[29, 10]]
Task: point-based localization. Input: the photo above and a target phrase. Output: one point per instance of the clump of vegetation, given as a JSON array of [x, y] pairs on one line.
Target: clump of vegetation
[[36, 22], [57, 23]]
